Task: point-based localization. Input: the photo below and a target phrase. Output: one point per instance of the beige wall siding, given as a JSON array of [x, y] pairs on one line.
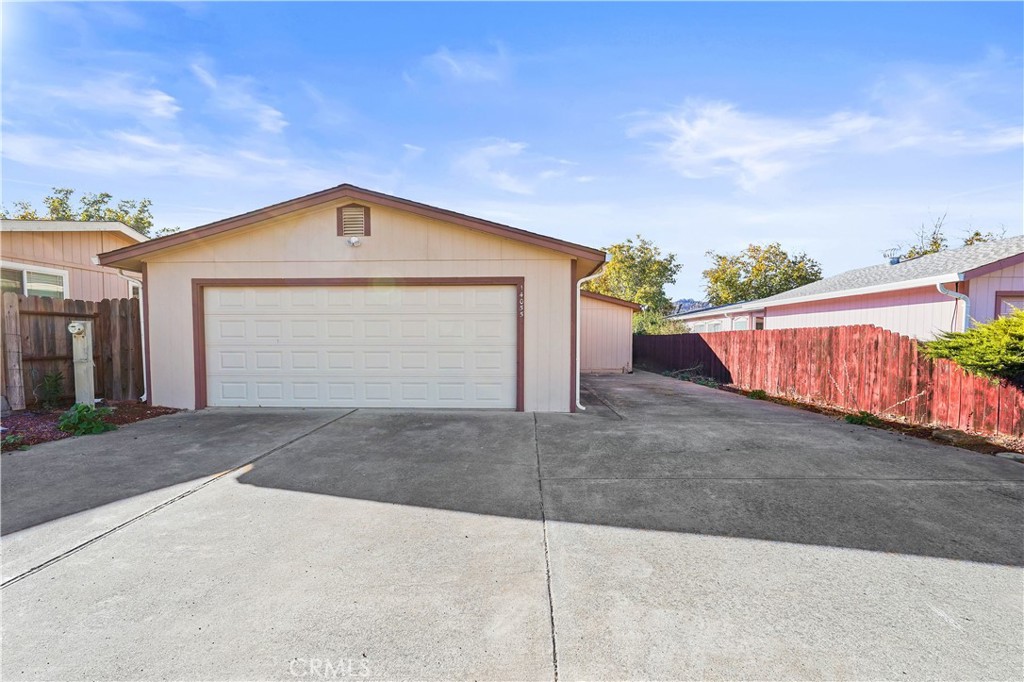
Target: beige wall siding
[[983, 290], [71, 251], [920, 312], [606, 337], [306, 245]]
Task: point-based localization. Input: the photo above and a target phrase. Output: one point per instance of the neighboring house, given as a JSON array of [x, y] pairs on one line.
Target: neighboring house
[[353, 298], [55, 259], [606, 336], [919, 297]]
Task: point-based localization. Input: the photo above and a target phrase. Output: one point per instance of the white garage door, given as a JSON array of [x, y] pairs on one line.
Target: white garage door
[[410, 346]]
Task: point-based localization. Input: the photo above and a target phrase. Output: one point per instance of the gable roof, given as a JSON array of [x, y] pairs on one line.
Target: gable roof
[[342, 192], [952, 265], [610, 299], [8, 225]]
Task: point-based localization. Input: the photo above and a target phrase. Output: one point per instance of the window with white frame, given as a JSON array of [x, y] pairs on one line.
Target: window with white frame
[[33, 280], [739, 324]]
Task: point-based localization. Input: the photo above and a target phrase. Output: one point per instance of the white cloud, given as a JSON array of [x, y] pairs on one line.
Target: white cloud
[[234, 94], [468, 66], [908, 109], [113, 93], [507, 166], [707, 139]]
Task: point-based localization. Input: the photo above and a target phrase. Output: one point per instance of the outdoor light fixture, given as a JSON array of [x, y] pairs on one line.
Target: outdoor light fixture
[[354, 241]]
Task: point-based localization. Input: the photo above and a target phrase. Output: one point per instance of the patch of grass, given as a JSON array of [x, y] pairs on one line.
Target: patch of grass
[[50, 390], [758, 394], [706, 381], [85, 420], [864, 419]]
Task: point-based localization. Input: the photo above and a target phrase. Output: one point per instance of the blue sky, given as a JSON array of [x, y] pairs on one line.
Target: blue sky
[[837, 129]]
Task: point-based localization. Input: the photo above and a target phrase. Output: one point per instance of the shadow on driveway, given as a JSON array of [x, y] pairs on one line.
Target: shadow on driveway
[[653, 454]]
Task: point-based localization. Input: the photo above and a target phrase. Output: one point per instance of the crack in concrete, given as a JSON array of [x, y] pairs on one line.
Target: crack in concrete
[[213, 479], [547, 555]]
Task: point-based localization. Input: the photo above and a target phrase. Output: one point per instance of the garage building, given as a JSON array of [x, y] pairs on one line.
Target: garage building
[[353, 298]]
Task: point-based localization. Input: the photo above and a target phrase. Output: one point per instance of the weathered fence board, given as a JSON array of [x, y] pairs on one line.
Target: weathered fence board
[[36, 342], [852, 368]]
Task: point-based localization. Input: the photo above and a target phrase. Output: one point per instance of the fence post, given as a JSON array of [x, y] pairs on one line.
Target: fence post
[[14, 387]]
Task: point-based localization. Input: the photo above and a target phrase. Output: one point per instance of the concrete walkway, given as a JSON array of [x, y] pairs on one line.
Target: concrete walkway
[[671, 532]]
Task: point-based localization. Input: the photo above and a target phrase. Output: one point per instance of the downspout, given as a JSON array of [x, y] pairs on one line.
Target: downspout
[[142, 327], [579, 329], [963, 297]]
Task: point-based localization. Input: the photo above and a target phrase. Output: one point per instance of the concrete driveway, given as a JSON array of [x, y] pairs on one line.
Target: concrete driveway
[[671, 532]]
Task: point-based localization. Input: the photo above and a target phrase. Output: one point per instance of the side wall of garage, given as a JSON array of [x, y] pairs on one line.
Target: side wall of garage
[[401, 245], [606, 340]]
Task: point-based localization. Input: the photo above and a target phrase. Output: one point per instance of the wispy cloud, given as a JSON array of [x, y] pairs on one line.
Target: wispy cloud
[[707, 139], [469, 66], [906, 110], [117, 93], [234, 94], [509, 166]]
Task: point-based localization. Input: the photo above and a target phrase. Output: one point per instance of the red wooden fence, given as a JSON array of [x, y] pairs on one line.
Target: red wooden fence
[[852, 368]]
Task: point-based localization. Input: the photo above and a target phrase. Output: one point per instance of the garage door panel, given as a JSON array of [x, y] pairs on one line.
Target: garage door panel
[[362, 346], [364, 391]]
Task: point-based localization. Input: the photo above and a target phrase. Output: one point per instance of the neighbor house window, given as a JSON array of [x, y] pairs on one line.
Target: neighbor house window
[[1008, 301], [134, 290], [354, 221], [739, 324], [31, 280]]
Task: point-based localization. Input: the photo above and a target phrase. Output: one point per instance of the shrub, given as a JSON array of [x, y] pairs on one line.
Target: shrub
[[82, 420], [994, 349], [864, 419], [50, 390], [758, 394]]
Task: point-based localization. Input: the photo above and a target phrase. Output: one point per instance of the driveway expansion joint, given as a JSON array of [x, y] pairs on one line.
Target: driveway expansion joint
[[213, 479], [547, 555]]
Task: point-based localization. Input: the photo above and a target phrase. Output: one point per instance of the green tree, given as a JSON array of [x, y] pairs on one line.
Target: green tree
[[757, 272], [978, 237], [59, 205], [637, 272]]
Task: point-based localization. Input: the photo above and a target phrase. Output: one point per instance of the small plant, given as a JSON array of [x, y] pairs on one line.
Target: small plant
[[706, 381], [864, 419], [758, 394], [84, 420], [50, 390], [13, 442]]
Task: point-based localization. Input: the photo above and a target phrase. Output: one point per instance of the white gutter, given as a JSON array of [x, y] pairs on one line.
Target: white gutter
[[142, 327], [579, 330], [957, 295]]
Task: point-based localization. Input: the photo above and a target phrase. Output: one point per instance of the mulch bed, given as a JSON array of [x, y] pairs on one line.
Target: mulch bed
[[40, 426]]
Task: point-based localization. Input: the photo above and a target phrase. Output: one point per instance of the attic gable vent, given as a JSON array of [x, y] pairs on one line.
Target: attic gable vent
[[354, 221]]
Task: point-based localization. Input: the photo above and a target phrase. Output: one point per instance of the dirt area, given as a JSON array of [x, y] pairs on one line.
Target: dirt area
[[40, 426], [986, 444]]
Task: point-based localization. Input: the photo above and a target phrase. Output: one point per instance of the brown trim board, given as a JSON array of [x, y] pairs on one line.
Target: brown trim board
[[339, 193], [574, 279], [1007, 294], [148, 375], [611, 299], [199, 318]]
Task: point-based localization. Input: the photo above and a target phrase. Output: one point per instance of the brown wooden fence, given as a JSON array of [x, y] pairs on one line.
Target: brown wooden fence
[[851, 368], [36, 342]]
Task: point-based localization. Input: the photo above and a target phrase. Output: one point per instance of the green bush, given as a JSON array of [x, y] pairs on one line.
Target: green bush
[[758, 394], [50, 390], [864, 419], [994, 349], [83, 420]]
